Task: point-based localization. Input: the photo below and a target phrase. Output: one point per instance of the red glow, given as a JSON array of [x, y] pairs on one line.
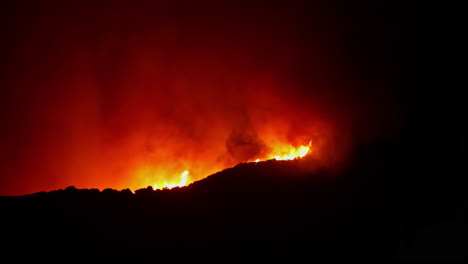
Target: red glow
[[126, 96]]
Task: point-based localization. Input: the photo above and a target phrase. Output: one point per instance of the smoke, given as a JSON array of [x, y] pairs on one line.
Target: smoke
[[121, 96]]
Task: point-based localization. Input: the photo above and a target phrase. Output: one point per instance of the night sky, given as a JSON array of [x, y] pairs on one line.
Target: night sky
[[91, 93]]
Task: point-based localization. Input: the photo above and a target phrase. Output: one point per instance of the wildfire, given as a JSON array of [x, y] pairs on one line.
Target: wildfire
[[182, 182], [287, 152], [294, 153], [278, 151]]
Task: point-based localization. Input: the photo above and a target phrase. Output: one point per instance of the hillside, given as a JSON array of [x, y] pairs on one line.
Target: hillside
[[370, 210]]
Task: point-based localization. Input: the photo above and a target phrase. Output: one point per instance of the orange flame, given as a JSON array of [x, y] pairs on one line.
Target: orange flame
[[182, 182], [290, 152], [277, 151]]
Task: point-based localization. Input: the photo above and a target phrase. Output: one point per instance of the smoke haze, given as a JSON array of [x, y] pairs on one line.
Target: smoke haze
[[125, 95]]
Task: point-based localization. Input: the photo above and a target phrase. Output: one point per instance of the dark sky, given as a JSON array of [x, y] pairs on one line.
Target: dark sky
[[92, 92]]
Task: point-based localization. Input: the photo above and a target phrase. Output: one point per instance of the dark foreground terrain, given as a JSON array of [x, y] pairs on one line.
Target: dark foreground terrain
[[381, 206]]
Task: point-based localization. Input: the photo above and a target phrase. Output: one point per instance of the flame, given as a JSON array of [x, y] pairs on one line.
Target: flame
[[294, 153], [181, 183], [278, 151], [287, 152]]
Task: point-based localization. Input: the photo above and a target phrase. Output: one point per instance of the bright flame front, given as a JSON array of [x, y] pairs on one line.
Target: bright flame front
[[181, 183], [278, 151], [291, 152]]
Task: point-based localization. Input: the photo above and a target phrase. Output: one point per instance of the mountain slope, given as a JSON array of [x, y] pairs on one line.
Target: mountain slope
[[370, 210]]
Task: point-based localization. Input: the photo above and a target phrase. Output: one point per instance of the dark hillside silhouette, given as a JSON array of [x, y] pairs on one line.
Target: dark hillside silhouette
[[372, 210]]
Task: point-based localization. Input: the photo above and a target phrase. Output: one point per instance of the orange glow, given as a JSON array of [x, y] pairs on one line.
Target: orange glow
[[160, 177], [290, 152], [181, 183]]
